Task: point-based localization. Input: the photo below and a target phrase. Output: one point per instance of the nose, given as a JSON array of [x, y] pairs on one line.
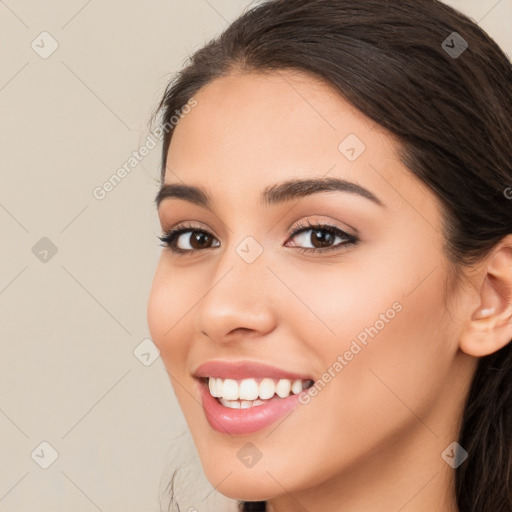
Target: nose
[[239, 301]]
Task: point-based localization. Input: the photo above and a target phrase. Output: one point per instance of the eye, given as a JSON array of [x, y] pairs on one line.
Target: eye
[[187, 239], [321, 237]]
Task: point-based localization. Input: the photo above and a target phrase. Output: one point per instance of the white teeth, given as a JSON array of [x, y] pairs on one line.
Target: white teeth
[[232, 404], [230, 389], [215, 386], [240, 404], [249, 389], [296, 386], [245, 393], [267, 389], [283, 388]]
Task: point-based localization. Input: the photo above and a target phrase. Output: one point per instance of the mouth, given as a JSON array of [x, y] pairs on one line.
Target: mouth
[[244, 398], [252, 392]]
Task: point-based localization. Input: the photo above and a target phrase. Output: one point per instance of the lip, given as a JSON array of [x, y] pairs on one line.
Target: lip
[[239, 370], [244, 421], [253, 419]]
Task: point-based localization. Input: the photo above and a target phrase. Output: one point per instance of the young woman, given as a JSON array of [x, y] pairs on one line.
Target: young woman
[[334, 300]]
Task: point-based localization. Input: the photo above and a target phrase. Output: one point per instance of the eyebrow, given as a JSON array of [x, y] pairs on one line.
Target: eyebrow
[[274, 194]]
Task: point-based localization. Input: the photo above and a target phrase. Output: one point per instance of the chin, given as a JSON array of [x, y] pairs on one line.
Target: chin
[[245, 487]]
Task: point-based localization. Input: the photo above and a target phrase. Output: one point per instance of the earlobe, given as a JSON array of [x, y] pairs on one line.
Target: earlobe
[[489, 327]]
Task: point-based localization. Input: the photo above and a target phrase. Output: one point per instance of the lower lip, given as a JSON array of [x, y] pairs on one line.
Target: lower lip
[[244, 421]]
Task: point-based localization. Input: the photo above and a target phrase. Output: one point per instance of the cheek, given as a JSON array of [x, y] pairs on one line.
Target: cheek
[[170, 301], [391, 333], [382, 349]]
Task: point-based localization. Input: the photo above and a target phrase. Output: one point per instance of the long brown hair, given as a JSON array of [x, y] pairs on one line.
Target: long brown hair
[[435, 80]]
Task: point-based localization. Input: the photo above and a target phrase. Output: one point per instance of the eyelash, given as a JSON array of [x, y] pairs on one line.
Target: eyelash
[[170, 237]]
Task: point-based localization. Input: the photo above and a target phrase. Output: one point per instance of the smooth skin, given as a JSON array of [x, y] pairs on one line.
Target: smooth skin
[[372, 438]]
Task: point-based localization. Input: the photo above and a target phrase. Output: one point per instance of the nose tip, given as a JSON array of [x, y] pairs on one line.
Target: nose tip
[[227, 319], [239, 305]]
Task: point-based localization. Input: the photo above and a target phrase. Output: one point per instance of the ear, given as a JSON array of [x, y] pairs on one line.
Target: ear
[[489, 327]]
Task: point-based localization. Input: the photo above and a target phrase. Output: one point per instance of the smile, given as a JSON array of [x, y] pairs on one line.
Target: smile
[[242, 398], [251, 392]]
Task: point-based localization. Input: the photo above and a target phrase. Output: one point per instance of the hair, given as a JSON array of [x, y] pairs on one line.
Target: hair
[[451, 115]]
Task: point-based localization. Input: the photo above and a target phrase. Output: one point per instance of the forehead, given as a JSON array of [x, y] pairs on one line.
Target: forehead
[[251, 130], [285, 112]]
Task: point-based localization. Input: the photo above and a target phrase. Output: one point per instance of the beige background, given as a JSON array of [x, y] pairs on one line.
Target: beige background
[[70, 324]]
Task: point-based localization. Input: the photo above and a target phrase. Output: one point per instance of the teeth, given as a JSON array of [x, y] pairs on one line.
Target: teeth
[[215, 386], [247, 392], [283, 388], [240, 404], [230, 389], [296, 386], [249, 389], [267, 389]]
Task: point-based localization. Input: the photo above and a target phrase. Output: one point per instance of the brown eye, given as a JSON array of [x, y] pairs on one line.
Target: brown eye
[[321, 238], [199, 240], [184, 240]]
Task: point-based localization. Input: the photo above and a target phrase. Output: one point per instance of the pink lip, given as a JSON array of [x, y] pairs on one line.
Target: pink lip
[[239, 370], [244, 421]]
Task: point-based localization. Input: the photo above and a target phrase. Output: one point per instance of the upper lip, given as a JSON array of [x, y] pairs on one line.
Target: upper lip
[[239, 370]]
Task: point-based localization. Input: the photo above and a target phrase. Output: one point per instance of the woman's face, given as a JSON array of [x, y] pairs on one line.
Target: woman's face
[[365, 319]]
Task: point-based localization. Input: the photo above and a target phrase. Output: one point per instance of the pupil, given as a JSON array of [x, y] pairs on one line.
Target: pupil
[[323, 237], [198, 240]]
